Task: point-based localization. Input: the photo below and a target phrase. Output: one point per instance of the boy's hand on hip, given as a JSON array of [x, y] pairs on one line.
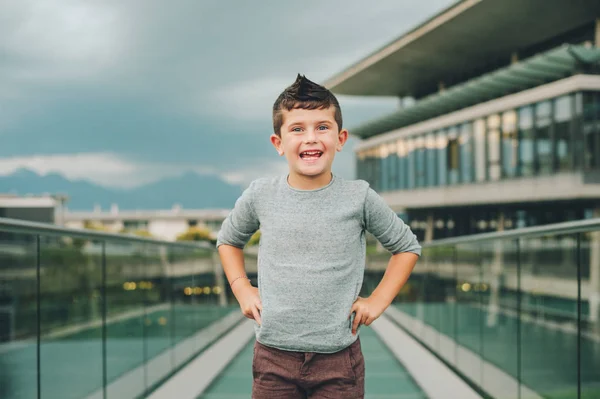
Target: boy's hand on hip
[[249, 300], [367, 311]]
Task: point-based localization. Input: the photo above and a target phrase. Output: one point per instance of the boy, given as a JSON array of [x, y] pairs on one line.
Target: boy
[[311, 256]]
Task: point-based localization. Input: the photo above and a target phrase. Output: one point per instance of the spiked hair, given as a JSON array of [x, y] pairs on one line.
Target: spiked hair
[[304, 94]]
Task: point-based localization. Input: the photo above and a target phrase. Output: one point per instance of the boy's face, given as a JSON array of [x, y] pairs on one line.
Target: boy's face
[[309, 140]]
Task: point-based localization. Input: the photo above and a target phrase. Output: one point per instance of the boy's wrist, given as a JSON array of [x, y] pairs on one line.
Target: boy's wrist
[[240, 284]]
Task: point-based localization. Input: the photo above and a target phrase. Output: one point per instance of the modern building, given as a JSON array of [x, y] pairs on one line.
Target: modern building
[[499, 119], [165, 224]]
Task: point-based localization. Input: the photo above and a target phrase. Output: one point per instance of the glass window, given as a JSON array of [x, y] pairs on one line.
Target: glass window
[[562, 123], [510, 144], [526, 142], [392, 167], [493, 136], [384, 169], [431, 160], [419, 149], [452, 156], [543, 121], [360, 165], [442, 143], [411, 163], [402, 164], [479, 130], [466, 152], [591, 129]]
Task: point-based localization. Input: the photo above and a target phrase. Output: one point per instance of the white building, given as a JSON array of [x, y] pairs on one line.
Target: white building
[[164, 224], [39, 208]]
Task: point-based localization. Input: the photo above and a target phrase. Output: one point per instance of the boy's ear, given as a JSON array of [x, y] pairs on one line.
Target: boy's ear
[[276, 141], [342, 137]]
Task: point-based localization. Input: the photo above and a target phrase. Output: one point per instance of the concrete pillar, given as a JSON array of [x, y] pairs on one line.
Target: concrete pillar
[[594, 298], [497, 274]]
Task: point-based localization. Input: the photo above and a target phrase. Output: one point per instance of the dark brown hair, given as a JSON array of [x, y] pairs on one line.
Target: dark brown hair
[[304, 94]]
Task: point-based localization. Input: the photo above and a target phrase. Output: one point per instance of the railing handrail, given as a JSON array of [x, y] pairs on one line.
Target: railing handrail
[[27, 227], [22, 226], [577, 226]]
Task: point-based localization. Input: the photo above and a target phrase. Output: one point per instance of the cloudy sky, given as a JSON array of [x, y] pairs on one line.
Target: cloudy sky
[[127, 92]]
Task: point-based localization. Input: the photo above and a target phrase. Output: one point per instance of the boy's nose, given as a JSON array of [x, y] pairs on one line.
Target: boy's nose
[[310, 137]]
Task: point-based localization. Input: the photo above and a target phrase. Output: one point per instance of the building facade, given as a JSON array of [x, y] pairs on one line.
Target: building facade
[[166, 224], [502, 136]]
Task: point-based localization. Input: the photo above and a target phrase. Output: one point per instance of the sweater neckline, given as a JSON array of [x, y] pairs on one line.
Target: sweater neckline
[[287, 183]]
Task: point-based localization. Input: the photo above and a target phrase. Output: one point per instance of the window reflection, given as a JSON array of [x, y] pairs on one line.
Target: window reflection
[[510, 144], [466, 152], [562, 122], [493, 136], [479, 130], [552, 135], [591, 129], [431, 160], [526, 138], [411, 163], [442, 142], [402, 164], [543, 119], [419, 149], [452, 156]]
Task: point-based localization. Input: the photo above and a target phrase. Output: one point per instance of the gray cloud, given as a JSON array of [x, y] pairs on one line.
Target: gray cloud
[[186, 83]]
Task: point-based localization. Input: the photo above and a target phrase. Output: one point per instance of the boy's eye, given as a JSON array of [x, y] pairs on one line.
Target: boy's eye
[[296, 129], [323, 127]]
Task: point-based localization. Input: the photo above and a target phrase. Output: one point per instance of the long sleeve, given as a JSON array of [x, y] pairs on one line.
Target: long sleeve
[[241, 223], [389, 229]]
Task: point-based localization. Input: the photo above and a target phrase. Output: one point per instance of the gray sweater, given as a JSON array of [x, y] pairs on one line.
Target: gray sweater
[[311, 256]]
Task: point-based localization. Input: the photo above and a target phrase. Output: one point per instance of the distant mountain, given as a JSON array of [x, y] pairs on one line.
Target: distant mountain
[[190, 190]]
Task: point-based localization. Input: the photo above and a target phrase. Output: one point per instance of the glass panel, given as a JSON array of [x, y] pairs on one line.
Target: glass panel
[[431, 160], [493, 136], [466, 152], [452, 157], [419, 151], [498, 315], [526, 141], [383, 160], [590, 342], [591, 129], [442, 144], [562, 123], [71, 317], [479, 130], [410, 163], [127, 321], [360, 165], [392, 167], [510, 144], [548, 315], [159, 319], [18, 316], [543, 116], [402, 164], [470, 295]]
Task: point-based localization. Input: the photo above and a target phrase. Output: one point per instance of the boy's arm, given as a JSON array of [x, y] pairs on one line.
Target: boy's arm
[[235, 233], [396, 237], [232, 259], [396, 275]]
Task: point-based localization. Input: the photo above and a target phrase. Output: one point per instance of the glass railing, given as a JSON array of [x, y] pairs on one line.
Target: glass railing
[[96, 315], [517, 312]]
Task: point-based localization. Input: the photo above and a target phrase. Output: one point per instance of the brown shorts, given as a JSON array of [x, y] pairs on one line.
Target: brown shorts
[[290, 375]]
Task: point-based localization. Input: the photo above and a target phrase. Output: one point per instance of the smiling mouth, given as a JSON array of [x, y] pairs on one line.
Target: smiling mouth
[[310, 155]]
